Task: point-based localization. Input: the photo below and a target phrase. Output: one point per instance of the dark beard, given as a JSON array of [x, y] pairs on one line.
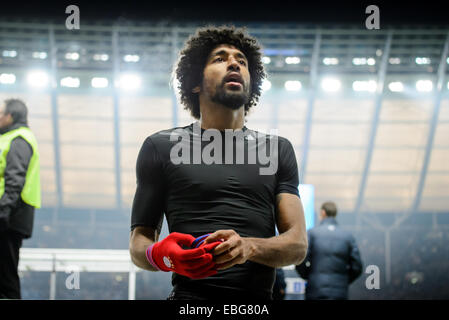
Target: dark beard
[[230, 99]]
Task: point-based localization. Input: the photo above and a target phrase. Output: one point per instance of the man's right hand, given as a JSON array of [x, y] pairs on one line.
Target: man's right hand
[[169, 255]]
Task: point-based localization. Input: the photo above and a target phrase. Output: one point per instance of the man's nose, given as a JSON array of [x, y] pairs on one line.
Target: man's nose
[[233, 64]]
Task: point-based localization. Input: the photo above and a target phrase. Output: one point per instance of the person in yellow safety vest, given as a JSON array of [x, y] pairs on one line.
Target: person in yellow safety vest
[[19, 191]]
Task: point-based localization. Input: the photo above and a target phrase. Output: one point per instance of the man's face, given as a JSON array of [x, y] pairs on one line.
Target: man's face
[[322, 215], [5, 119], [226, 78]]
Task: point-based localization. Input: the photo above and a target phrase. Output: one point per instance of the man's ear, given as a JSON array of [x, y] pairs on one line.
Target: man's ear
[[196, 89], [322, 214], [11, 117]]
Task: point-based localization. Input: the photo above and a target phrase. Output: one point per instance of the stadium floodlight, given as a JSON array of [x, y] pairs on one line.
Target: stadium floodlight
[[292, 85], [292, 60], [371, 61], [394, 60], [40, 55], [422, 60], [424, 85], [70, 82], [72, 56], [7, 78], [176, 84], [38, 79], [369, 86], [130, 82], [101, 57], [358, 61], [266, 85], [131, 58], [330, 61], [99, 82], [447, 60], [396, 86], [9, 53], [266, 60], [331, 84]]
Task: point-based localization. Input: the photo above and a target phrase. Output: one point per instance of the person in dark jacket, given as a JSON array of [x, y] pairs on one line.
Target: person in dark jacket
[[279, 285], [19, 191], [333, 259]]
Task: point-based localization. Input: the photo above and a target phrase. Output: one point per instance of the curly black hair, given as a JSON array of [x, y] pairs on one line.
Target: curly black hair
[[193, 57]]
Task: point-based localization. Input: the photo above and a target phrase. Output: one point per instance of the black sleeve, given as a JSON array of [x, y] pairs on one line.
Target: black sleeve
[[355, 261], [148, 204], [287, 174], [17, 160]]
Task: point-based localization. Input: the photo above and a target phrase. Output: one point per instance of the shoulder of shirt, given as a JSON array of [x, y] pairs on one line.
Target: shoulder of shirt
[[164, 135], [20, 142], [20, 147], [281, 139]]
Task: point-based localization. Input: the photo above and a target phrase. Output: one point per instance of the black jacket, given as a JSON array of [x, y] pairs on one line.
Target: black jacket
[[332, 262], [279, 285], [16, 215]]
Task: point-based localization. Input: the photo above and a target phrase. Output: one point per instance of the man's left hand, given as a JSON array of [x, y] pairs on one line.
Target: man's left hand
[[233, 249]]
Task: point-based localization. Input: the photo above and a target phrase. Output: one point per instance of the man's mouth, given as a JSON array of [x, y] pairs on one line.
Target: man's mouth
[[234, 79], [234, 84]]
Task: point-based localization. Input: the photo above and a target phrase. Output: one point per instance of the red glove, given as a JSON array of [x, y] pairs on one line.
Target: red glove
[[199, 242], [168, 255]]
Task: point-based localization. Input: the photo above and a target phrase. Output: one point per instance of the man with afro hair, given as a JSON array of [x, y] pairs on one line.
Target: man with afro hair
[[222, 216]]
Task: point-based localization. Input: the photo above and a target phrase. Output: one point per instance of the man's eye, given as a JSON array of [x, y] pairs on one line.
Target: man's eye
[[243, 62], [218, 59]]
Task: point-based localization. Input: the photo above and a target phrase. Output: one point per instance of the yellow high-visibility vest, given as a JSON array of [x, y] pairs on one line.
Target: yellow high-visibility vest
[[31, 192]]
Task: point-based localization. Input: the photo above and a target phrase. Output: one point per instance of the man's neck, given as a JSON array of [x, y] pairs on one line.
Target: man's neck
[[12, 127], [221, 118]]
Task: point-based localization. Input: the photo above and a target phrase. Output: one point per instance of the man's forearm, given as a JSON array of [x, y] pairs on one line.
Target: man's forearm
[[288, 248], [278, 251], [138, 246]]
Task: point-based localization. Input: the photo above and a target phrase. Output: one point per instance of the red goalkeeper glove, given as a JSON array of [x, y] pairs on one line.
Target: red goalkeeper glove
[[199, 242], [168, 255]]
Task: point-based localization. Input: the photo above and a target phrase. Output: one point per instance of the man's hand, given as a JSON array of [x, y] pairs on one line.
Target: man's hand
[[233, 249], [169, 255]]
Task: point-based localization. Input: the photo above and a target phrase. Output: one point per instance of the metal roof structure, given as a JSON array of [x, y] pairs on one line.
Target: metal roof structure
[[377, 152]]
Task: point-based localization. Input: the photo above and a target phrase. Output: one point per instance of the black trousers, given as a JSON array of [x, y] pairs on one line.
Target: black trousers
[[10, 243], [179, 293]]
